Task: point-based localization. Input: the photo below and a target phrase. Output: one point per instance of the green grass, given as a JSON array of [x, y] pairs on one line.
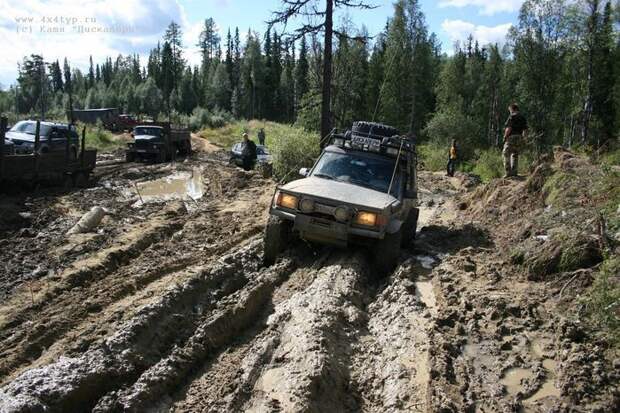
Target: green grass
[[101, 139], [292, 147], [603, 299], [488, 164]]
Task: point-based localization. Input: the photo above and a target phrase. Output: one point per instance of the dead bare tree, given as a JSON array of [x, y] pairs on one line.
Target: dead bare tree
[[317, 20]]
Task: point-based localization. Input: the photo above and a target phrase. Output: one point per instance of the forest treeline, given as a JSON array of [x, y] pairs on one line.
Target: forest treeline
[[560, 63]]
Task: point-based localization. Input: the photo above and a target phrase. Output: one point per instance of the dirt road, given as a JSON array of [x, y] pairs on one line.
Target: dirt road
[[166, 307]]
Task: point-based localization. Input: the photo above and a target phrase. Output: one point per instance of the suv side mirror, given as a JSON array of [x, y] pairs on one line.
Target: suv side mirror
[[304, 171]]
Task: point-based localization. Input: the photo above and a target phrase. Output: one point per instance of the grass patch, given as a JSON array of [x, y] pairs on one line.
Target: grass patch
[[291, 147], [603, 299], [97, 137]]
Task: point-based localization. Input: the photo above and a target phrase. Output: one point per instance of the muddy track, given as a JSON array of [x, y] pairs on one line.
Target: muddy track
[[175, 312]]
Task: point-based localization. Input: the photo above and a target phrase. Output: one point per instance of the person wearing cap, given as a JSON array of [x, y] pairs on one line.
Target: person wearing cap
[[248, 153]]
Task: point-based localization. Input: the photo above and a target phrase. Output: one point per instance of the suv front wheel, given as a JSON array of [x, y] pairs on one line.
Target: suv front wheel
[[388, 252], [277, 237]]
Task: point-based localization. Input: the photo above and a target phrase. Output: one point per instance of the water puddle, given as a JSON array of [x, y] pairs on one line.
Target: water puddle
[[479, 355], [548, 388], [513, 379], [184, 186], [426, 261]]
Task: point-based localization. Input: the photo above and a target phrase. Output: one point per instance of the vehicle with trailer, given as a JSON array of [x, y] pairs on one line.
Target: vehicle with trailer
[[362, 191], [51, 167], [160, 142], [109, 118], [53, 137]]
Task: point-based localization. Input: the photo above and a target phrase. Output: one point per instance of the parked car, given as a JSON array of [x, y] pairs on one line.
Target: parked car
[[53, 137], [263, 157], [9, 147]]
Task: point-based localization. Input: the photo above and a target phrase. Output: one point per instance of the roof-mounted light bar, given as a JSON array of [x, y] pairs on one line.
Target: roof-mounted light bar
[[386, 145]]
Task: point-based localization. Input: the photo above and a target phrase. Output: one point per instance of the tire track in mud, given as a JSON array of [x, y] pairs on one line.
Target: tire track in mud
[[157, 329], [390, 357], [27, 333], [89, 320], [75, 302]]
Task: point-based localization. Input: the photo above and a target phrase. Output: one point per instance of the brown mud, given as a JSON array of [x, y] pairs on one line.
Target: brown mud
[[165, 306]]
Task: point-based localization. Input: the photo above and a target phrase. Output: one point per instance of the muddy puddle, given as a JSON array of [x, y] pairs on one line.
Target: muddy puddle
[[185, 186]]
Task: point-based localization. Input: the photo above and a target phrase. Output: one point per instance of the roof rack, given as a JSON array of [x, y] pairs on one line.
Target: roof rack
[[389, 146]]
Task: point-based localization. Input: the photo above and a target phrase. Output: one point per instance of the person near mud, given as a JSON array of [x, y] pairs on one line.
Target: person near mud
[[516, 127], [248, 153], [261, 136], [452, 158]]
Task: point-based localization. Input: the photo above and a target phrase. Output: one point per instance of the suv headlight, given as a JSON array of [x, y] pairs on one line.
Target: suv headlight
[[342, 214], [286, 200], [306, 205], [369, 219]]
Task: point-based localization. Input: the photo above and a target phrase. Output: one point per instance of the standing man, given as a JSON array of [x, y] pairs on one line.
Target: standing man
[[516, 125], [261, 136], [249, 153], [452, 158]]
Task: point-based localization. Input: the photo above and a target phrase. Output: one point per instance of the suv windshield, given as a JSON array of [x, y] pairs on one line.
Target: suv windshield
[[30, 127], [147, 131], [359, 169]]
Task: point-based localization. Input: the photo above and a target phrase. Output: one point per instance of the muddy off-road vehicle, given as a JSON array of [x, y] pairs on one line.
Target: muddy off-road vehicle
[[362, 191], [159, 142], [68, 167]]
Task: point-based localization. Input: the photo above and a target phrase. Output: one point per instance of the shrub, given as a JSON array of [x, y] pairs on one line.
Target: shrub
[[202, 118], [98, 137], [432, 156], [489, 165], [292, 149]]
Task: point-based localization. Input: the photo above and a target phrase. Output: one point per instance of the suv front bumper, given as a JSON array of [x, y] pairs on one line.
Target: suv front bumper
[[327, 231]]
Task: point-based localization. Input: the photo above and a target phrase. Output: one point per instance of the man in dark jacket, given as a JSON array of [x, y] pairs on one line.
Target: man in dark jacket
[[261, 136], [516, 126], [248, 152]]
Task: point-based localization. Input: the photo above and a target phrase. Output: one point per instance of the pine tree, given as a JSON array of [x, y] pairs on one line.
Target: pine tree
[[56, 75], [91, 73], [301, 72]]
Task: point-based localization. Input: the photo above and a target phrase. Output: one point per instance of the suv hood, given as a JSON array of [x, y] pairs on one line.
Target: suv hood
[[341, 191], [20, 136]]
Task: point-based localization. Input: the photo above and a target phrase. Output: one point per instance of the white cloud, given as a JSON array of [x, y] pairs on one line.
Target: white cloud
[[487, 7], [459, 30], [125, 26]]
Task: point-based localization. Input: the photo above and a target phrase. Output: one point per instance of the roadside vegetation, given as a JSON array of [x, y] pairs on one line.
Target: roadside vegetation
[[292, 147]]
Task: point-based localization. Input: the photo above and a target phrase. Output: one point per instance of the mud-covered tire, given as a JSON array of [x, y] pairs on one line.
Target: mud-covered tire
[[277, 237], [387, 253], [409, 228], [377, 129], [161, 156], [67, 182], [130, 157], [80, 180]]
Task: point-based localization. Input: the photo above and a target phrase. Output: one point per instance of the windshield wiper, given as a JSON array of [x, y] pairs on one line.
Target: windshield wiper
[[324, 176]]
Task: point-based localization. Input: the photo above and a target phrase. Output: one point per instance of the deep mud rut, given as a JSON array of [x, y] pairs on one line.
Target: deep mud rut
[[167, 308]]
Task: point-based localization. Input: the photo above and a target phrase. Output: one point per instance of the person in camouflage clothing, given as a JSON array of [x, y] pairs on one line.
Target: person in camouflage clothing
[[516, 126]]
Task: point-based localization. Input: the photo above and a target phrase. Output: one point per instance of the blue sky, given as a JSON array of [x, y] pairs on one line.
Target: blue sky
[[80, 28]]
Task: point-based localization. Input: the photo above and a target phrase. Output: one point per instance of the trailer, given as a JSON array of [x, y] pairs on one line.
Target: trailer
[[54, 168], [105, 115]]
